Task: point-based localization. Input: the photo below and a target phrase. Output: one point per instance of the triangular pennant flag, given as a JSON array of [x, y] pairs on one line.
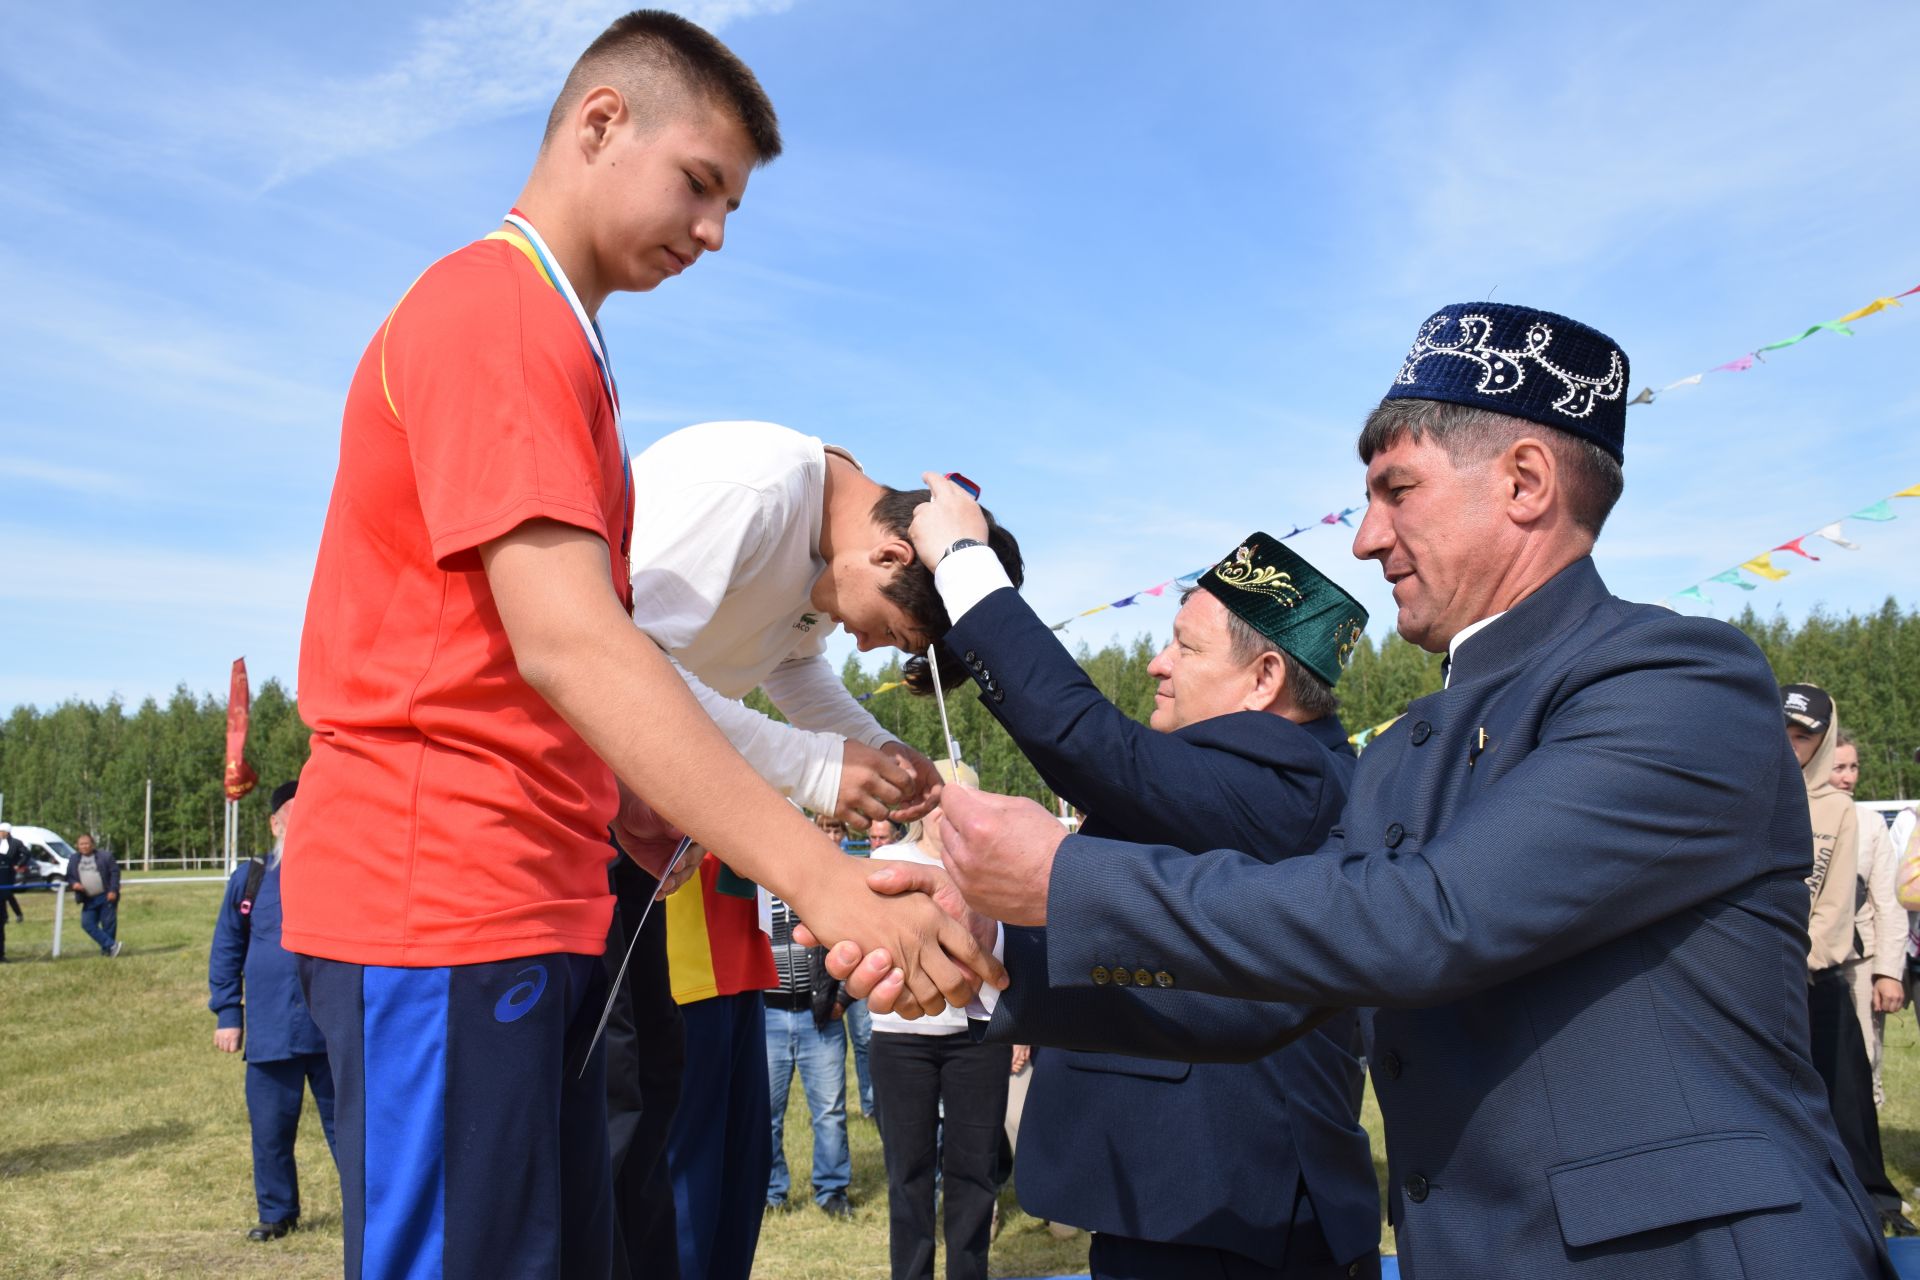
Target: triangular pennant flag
[[1733, 579], [1332, 517], [1645, 396], [1344, 514], [1909, 293], [1692, 593], [1796, 548], [1762, 565], [1881, 510], [1294, 532], [1832, 534], [1911, 491], [1741, 365], [1121, 604], [1684, 382], [1087, 613], [1154, 591], [1060, 625], [1878, 304]]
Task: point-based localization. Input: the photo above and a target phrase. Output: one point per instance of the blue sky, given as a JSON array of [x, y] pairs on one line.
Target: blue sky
[[1141, 269]]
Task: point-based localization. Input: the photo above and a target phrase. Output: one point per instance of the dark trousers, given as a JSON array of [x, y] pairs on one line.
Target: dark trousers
[[646, 1052], [720, 1145], [101, 920], [1114, 1257], [471, 1142], [912, 1077], [1840, 1056], [275, 1092]]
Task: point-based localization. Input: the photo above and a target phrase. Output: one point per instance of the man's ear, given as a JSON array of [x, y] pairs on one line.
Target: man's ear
[[892, 553], [1269, 692], [1530, 476]]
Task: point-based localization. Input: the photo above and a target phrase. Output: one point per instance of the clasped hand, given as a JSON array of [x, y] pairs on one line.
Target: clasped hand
[[999, 859]]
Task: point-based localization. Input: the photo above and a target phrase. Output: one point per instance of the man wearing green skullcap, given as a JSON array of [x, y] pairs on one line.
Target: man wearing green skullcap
[[1248, 754]]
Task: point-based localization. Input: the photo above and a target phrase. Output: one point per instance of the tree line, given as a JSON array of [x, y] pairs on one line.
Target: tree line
[[84, 767]]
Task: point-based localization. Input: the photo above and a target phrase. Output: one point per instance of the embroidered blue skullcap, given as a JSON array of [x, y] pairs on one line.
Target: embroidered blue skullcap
[[1524, 363]]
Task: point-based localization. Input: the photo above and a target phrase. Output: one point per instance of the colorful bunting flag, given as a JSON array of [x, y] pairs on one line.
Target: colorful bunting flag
[[1693, 593], [1733, 579], [1742, 364], [1878, 304], [1911, 491], [1881, 510], [1121, 604], [1797, 549], [1831, 533], [1762, 566]]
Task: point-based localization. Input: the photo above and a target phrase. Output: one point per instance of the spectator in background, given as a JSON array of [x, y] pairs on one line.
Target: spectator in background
[[257, 1004], [1839, 1051], [805, 1032], [13, 861], [943, 1099], [94, 878], [1879, 925]]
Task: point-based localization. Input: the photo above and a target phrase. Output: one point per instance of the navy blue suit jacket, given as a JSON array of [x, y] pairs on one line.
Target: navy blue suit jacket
[[253, 981], [1099, 1129], [1573, 883]]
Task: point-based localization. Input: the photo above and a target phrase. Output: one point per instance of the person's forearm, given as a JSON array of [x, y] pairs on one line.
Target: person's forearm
[[617, 689]]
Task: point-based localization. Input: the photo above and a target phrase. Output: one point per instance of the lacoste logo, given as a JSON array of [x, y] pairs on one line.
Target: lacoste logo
[[510, 1007], [807, 622]]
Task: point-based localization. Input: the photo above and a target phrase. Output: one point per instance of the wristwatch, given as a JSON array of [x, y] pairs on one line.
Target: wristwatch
[[962, 543]]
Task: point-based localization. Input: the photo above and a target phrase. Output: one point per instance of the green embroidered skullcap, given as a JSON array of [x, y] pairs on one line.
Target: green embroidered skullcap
[[1290, 602]]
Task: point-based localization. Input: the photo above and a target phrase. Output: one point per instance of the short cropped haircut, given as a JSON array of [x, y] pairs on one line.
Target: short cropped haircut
[[1313, 696], [1589, 476], [912, 586], [657, 59]]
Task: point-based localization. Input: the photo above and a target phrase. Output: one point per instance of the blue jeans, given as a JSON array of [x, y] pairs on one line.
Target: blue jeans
[[101, 920], [860, 1028], [821, 1055]]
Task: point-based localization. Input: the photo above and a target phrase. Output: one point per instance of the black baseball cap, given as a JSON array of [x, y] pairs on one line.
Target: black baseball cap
[[282, 794], [1807, 705]]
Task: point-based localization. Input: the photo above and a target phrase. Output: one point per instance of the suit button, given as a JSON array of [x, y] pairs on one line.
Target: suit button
[[972, 659], [1416, 1188], [1121, 977], [1395, 834], [1100, 975], [1353, 1269], [1390, 1065], [1141, 978], [1163, 979], [999, 696], [1420, 732]]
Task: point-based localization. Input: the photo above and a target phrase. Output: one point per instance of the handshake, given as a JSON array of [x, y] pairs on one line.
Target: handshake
[[999, 853]]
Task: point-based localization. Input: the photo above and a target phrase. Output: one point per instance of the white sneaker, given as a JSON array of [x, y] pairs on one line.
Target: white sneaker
[[116, 948]]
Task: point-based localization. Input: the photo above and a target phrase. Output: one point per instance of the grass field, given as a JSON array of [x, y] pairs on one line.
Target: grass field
[[123, 1133]]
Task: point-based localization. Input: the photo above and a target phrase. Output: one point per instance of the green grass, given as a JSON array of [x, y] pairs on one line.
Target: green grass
[[124, 1147]]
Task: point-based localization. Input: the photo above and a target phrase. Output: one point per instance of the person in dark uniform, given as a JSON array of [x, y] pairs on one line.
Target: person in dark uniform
[[1572, 882], [258, 1006], [1244, 751], [13, 863]]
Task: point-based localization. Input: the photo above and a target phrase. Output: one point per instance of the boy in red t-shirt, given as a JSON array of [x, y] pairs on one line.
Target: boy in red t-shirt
[[481, 702]]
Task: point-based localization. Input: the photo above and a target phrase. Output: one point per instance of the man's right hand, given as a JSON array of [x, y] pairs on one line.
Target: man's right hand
[[871, 783], [227, 1039], [644, 835]]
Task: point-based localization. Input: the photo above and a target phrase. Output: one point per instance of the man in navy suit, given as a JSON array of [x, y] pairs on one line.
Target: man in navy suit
[[1245, 752], [1572, 880]]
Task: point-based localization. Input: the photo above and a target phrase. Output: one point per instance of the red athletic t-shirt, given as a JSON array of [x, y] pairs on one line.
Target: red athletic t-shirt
[[448, 815]]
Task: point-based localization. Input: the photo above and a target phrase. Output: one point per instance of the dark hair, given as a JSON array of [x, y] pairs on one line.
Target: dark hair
[[1589, 475], [1845, 739], [655, 58], [911, 587], [1312, 695]]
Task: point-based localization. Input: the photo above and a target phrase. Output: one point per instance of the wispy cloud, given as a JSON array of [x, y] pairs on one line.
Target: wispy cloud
[[74, 479], [478, 61]]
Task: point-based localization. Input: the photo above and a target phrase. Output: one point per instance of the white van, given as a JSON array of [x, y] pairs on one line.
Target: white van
[[47, 852]]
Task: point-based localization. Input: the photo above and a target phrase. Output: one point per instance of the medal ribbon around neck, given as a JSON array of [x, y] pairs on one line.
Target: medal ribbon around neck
[[550, 268]]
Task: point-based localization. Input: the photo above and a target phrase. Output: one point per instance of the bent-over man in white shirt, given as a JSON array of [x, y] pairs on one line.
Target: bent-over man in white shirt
[[751, 542]]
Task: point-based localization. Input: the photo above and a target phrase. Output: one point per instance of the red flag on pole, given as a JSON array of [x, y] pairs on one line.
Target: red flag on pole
[[240, 776]]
